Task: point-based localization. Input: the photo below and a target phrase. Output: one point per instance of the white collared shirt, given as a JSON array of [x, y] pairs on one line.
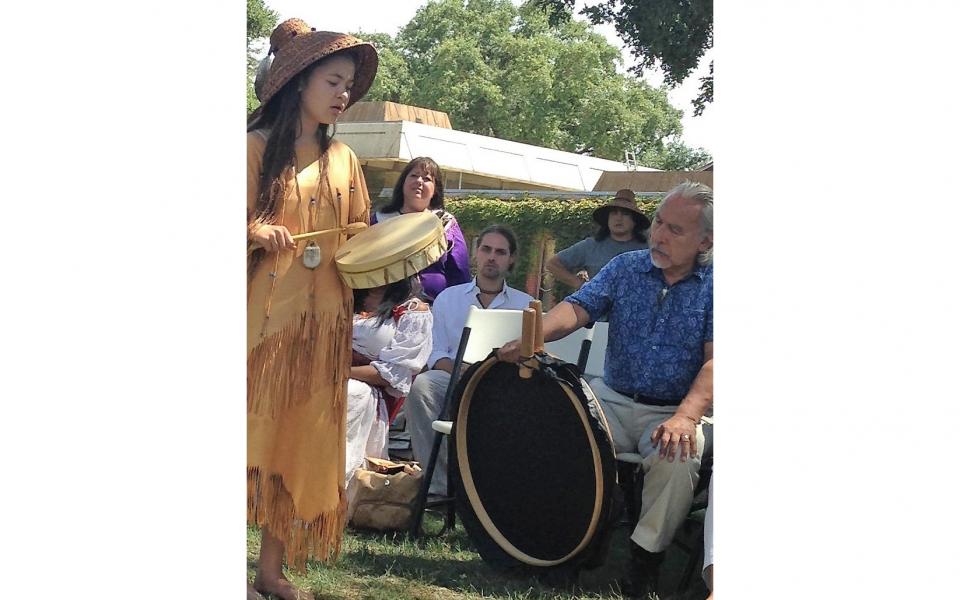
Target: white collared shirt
[[450, 314]]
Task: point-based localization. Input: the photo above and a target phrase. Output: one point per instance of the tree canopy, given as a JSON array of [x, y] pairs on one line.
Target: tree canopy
[[509, 72], [518, 73], [673, 34], [260, 23]]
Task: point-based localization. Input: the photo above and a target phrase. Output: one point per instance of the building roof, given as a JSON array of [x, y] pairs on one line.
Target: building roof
[[369, 112], [470, 160], [649, 181]]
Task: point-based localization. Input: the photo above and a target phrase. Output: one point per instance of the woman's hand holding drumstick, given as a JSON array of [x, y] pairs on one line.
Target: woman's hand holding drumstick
[[273, 238], [277, 237]]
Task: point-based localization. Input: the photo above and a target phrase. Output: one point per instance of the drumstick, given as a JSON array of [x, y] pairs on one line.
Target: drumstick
[[537, 306], [526, 341], [350, 229]]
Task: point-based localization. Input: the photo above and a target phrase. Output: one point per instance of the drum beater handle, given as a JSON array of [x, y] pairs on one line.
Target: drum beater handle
[[527, 340], [537, 306], [351, 229]]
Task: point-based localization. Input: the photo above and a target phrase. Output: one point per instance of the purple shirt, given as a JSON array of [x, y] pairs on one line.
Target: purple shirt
[[453, 268]]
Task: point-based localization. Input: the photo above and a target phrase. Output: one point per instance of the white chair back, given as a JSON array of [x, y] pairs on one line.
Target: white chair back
[[598, 350], [568, 349], [489, 329]]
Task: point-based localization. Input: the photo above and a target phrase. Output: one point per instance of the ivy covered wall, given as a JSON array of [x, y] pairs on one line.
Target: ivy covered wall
[[543, 226]]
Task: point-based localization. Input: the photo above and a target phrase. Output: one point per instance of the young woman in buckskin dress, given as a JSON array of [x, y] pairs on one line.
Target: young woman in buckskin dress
[[299, 313]]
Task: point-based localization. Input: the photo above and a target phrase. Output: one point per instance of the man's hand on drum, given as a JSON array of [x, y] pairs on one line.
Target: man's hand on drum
[[677, 432], [273, 238], [509, 352]]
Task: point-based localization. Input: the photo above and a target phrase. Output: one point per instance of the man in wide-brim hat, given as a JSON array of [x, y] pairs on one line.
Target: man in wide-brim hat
[[622, 229], [624, 200]]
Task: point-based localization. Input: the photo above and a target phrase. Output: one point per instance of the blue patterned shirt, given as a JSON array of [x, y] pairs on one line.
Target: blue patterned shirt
[[657, 332]]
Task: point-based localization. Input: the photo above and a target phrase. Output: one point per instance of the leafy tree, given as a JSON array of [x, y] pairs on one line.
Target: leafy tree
[[261, 21], [673, 34], [676, 156], [393, 77], [506, 71]]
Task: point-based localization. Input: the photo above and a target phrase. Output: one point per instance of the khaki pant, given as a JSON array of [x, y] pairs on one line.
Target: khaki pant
[[422, 408], [667, 486]]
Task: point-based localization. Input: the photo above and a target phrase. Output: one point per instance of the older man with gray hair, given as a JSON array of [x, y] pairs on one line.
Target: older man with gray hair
[[658, 372]]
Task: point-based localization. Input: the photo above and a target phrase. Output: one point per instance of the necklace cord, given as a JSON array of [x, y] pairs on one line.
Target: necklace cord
[[283, 205]]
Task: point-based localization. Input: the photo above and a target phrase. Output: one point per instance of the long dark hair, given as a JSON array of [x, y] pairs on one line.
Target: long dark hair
[[281, 117], [430, 166], [639, 232], [396, 293]]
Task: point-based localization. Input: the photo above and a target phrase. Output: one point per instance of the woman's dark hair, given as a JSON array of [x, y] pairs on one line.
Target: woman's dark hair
[[396, 293], [428, 165], [505, 232], [639, 233], [281, 116]]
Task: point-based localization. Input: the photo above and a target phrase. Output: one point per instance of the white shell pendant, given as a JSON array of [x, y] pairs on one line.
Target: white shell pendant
[[311, 256]]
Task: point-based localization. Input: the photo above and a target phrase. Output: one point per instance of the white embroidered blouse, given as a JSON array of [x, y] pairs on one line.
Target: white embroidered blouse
[[398, 349]]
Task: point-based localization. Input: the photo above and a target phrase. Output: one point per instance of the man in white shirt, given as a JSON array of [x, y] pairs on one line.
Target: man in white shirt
[[495, 256]]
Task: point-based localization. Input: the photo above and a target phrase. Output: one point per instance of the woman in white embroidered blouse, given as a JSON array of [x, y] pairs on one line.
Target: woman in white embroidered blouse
[[391, 342]]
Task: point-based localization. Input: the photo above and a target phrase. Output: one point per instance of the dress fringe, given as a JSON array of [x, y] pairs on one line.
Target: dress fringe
[[363, 217], [281, 369], [269, 506]]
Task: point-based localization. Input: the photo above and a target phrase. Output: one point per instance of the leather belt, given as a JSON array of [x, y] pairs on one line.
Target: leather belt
[[641, 399]]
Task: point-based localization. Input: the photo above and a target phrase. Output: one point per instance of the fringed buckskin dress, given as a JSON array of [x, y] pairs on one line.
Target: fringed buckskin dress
[[299, 323]]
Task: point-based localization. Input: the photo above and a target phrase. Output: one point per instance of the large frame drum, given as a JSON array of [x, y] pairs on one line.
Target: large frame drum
[[534, 466], [391, 250]]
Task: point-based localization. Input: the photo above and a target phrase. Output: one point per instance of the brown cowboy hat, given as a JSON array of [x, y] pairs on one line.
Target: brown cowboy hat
[[626, 200], [294, 46]]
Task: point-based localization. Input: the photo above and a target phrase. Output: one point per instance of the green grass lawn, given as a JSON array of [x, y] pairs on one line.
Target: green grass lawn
[[388, 567]]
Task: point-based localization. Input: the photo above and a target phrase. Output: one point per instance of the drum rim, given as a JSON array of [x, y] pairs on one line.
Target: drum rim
[[436, 237], [466, 475]]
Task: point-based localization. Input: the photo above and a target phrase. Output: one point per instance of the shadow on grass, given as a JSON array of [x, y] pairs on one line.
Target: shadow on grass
[[451, 562], [390, 566]]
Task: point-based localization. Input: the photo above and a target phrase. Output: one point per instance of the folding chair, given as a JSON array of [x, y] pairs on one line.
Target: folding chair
[[484, 330], [627, 462], [575, 348], [698, 508], [630, 475], [598, 350]]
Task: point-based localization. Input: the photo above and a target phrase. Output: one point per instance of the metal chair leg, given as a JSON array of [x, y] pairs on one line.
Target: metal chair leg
[[421, 503], [584, 355], [451, 519]]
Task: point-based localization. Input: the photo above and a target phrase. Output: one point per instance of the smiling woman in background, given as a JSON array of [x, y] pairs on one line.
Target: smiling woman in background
[[420, 188]]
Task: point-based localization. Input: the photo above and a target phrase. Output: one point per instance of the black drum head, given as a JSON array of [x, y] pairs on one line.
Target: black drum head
[[534, 465]]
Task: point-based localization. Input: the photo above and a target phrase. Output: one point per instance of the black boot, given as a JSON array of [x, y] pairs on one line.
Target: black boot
[[644, 574]]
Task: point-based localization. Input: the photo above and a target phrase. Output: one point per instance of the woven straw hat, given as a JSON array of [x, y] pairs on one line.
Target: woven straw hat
[[294, 46], [626, 200]]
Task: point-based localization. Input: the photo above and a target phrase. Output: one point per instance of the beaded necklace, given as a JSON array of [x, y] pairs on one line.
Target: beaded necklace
[[311, 253]]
